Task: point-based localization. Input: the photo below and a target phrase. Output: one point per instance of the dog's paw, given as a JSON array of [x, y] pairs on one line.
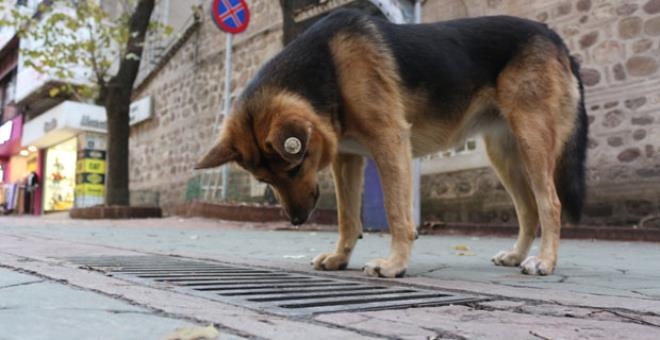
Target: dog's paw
[[330, 261], [507, 258], [384, 268], [537, 266]]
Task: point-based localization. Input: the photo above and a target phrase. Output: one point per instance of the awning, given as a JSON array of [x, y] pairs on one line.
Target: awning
[[62, 122]]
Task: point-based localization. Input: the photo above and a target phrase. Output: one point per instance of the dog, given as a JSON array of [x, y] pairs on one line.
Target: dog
[[354, 86]]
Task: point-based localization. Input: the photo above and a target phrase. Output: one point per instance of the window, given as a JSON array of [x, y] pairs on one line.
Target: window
[[469, 146], [7, 91]]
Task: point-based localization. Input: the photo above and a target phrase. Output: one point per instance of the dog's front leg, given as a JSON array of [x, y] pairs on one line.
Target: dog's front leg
[[392, 154], [348, 173]]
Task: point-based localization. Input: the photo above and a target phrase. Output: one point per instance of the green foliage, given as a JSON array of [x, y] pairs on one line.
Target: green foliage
[[85, 35]]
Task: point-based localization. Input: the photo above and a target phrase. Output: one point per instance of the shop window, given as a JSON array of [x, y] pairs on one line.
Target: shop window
[[59, 179]]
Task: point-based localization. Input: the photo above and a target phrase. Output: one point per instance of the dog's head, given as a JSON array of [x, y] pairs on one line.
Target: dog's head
[[280, 140]]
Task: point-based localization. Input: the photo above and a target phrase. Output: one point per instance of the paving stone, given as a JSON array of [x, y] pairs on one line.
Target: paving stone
[[11, 278], [589, 272], [461, 321], [503, 304], [48, 310]]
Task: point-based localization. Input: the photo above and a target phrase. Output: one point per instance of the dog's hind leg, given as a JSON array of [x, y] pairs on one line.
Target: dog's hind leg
[[537, 96], [538, 157], [348, 173], [504, 156]]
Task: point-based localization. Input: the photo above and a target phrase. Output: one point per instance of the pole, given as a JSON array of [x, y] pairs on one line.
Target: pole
[[225, 107], [417, 164]]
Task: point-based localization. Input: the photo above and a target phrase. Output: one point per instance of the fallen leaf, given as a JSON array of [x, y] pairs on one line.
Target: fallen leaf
[[461, 247], [194, 333]]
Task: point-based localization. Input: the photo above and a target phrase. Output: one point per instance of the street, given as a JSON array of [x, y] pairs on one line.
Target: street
[[601, 289]]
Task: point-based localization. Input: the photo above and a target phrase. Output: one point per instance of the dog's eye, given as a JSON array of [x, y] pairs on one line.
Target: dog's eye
[[294, 172]]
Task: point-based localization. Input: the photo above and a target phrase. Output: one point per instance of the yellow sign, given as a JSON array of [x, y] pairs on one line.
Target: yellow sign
[[87, 189], [89, 165]]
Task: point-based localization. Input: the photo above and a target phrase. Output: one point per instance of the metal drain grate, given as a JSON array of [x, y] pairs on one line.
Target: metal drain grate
[[273, 291]]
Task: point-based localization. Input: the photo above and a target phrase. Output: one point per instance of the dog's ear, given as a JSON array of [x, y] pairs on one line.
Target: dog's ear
[[289, 138], [221, 153]]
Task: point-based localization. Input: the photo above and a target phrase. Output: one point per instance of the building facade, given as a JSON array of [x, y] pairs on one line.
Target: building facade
[[18, 165], [617, 43], [55, 158]]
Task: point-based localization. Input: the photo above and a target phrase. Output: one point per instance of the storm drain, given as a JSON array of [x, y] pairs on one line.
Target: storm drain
[[274, 291]]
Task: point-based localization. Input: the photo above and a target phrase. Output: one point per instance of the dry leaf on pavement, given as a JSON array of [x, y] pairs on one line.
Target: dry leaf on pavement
[[194, 333]]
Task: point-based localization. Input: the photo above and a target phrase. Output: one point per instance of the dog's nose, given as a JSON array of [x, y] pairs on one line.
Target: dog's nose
[[297, 220]]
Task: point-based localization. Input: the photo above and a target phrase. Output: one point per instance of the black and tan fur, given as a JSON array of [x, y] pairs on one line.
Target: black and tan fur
[[355, 86]]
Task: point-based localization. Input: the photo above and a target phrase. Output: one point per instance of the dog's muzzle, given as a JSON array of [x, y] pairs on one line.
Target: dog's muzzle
[[299, 216]]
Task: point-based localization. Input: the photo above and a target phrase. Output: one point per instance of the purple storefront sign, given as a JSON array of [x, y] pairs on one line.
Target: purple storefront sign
[[10, 137]]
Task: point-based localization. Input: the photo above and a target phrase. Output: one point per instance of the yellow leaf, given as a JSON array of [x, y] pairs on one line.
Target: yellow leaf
[[461, 247], [54, 92], [194, 333]]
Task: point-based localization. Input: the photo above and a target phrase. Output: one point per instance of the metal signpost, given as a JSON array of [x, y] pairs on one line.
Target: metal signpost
[[417, 163], [233, 17]]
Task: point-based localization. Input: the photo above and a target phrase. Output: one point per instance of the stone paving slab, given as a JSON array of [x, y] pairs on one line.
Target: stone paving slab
[[10, 278], [230, 319], [461, 322], [626, 269], [42, 309], [602, 289]]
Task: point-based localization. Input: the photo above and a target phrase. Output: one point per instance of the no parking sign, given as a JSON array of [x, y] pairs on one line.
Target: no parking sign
[[232, 16]]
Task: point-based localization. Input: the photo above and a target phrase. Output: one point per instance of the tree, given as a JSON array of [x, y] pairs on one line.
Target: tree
[[83, 33]]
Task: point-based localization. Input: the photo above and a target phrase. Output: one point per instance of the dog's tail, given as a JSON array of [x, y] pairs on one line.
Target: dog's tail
[[570, 174]]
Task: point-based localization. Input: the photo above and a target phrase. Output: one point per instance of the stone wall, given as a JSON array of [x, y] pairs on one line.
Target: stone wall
[[187, 93], [618, 44]]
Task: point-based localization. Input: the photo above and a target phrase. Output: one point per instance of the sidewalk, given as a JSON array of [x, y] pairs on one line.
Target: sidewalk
[[33, 307], [601, 288]]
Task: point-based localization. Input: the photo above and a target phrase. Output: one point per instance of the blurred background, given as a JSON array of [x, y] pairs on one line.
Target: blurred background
[[178, 96]]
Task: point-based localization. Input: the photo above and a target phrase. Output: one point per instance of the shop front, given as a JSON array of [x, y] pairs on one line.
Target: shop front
[[71, 138], [18, 170]]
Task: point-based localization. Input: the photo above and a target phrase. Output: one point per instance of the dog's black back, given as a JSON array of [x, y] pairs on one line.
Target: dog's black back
[[447, 59], [454, 58]]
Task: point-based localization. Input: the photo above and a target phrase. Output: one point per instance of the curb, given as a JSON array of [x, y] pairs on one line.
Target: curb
[[248, 213], [115, 212], [567, 232]]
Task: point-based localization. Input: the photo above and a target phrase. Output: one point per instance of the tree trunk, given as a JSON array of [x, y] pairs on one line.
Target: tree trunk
[[287, 21], [117, 110], [117, 95]]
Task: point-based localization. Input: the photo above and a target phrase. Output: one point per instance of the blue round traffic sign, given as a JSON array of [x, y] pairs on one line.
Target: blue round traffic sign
[[231, 16]]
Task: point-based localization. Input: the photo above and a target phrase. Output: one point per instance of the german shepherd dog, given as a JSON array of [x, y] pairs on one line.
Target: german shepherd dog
[[353, 86]]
